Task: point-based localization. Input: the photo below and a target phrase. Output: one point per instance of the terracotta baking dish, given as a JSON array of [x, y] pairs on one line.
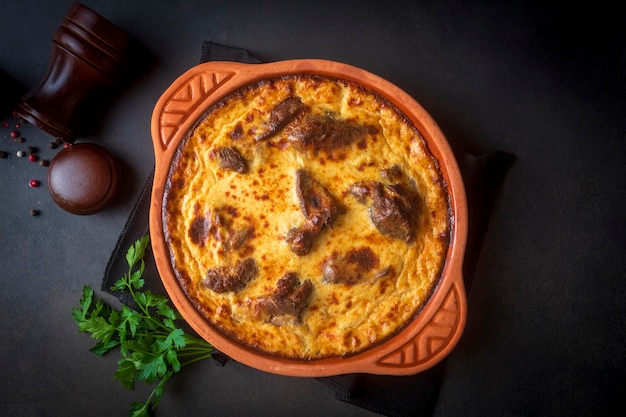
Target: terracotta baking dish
[[434, 331]]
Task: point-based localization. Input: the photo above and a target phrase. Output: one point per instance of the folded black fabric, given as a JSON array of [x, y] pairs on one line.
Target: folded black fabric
[[394, 396], [212, 51]]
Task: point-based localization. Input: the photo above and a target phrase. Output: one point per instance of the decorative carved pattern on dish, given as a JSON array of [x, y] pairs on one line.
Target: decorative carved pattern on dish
[[187, 99], [432, 339]]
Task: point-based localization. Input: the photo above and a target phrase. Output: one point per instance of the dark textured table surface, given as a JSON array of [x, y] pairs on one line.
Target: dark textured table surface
[[546, 330]]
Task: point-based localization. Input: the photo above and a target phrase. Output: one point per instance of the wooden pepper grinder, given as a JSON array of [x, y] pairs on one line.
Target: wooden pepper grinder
[[88, 57]]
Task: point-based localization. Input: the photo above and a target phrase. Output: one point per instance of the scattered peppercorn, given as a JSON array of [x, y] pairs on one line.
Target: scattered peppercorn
[[15, 134], [32, 149], [53, 145], [35, 212], [33, 158], [21, 140], [33, 184], [5, 124], [44, 163], [4, 154], [20, 154]]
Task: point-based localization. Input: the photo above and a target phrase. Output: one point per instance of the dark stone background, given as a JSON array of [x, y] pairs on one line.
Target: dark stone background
[[545, 333]]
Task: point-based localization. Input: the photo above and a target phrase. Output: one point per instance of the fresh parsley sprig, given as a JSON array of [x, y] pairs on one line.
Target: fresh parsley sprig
[[150, 342]]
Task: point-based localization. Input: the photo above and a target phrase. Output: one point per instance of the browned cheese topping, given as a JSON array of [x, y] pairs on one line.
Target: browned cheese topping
[[306, 218]]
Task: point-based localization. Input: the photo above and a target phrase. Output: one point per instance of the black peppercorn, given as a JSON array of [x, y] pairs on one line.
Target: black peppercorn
[[35, 212]]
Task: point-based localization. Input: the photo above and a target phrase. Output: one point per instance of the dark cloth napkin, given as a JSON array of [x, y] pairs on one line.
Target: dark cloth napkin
[[395, 396]]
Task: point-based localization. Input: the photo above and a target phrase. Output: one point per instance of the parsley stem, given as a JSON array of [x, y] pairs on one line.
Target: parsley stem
[[185, 354], [202, 348], [198, 359], [152, 334], [196, 341]]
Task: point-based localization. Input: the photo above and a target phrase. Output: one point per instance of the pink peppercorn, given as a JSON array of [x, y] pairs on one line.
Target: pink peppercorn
[[15, 134], [33, 183], [5, 124], [32, 158]]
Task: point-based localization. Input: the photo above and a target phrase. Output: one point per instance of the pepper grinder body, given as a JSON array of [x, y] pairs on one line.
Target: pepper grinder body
[[88, 56]]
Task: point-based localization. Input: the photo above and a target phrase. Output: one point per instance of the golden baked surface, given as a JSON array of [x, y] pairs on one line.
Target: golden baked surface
[[306, 218]]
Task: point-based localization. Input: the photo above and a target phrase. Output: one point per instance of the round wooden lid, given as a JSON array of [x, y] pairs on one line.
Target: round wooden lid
[[83, 178]]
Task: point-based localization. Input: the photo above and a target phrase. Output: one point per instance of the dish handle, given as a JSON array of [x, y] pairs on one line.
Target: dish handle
[[438, 336], [181, 104]]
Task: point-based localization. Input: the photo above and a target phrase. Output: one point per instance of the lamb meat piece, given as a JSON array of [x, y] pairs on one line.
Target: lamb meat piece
[[393, 209], [327, 134], [281, 115], [223, 279], [316, 203], [394, 212], [230, 159], [300, 240], [290, 298], [349, 268], [319, 208]]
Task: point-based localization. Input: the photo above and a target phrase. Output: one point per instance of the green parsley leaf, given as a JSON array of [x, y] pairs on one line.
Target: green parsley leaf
[[99, 328], [166, 311], [172, 359], [103, 347], [138, 409], [152, 367], [120, 285], [85, 304], [126, 373], [135, 277], [137, 251], [130, 320]]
